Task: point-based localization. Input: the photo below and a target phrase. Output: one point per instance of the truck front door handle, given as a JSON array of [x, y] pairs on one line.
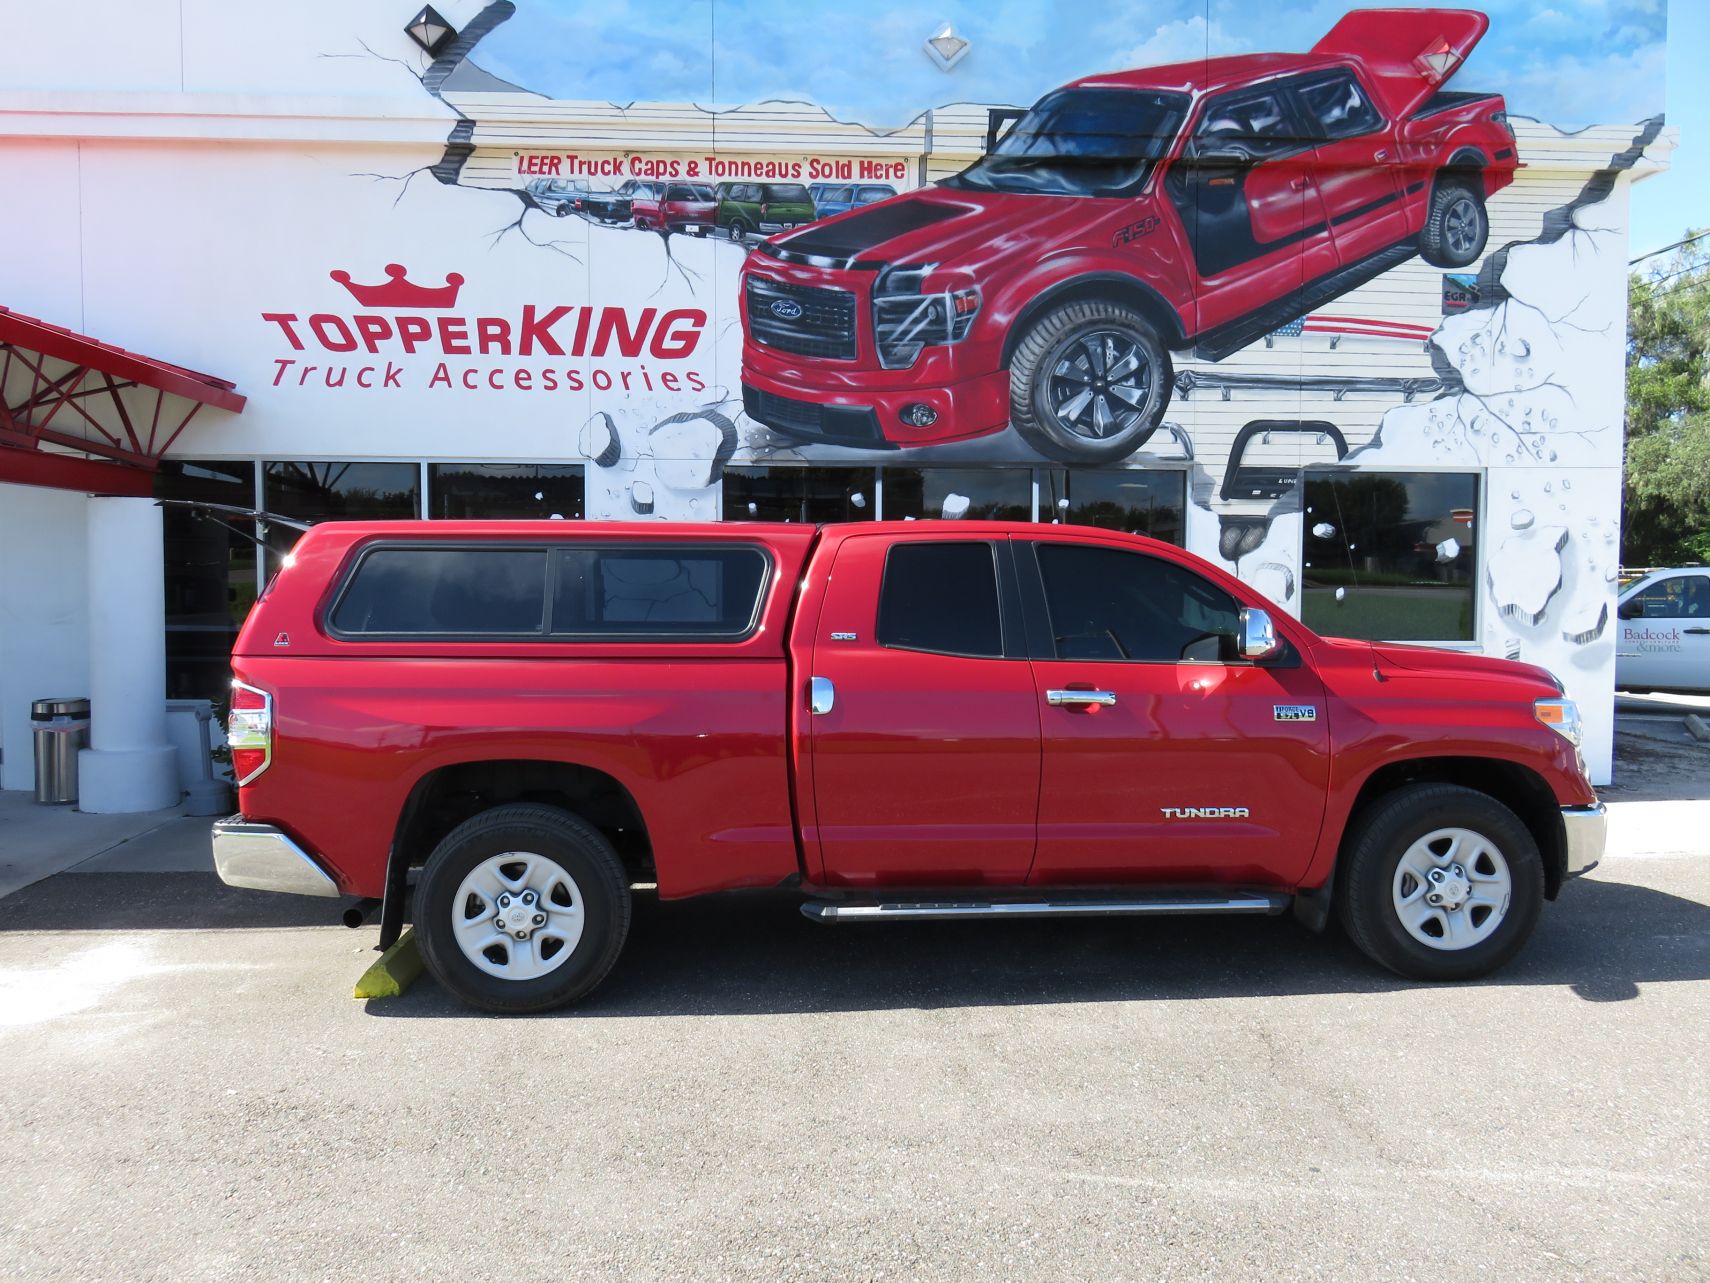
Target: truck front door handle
[[1058, 699], [1696, 631], [821, 695]]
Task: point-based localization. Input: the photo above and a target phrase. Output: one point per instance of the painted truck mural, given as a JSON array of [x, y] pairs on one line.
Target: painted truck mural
[[1326, 299]]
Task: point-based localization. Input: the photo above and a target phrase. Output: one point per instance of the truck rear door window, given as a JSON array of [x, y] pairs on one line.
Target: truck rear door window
[[941, 597], [429, 591], [658, 593]]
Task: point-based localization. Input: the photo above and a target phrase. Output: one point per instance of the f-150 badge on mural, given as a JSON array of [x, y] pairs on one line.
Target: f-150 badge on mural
[[1191, 207]]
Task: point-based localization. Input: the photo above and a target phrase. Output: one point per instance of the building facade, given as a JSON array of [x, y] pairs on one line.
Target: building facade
[[495, 260]]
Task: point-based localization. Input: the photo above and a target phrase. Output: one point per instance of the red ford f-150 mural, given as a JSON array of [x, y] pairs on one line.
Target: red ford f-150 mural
[[1195, 207], [902, 720]]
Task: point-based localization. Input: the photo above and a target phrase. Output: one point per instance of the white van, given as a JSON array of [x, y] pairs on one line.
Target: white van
[[1663, 636]]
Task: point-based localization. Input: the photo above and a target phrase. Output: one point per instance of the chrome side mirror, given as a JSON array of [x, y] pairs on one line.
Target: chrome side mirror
[[1258, 634]]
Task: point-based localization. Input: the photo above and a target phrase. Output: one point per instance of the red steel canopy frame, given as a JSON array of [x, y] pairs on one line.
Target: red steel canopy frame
[[47, 371]]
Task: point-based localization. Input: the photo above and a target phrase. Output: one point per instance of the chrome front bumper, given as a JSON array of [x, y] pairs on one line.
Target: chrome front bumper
[[262, 858], [1585, 828]]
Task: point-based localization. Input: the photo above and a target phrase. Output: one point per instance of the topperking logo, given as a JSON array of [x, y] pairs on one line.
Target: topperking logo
[[403, 334]]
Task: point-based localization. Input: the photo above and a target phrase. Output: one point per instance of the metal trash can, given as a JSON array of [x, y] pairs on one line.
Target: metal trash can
[[60, 727]]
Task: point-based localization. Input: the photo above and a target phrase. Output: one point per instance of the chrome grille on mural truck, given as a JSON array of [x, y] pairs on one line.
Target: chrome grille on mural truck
[[804, 319]]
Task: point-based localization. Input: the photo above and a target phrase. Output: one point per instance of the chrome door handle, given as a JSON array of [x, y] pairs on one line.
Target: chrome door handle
[[821, 695], [1058, 699]]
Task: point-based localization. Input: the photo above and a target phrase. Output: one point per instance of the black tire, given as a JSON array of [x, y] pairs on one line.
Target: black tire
[[580, 850], [1380, 837], [1457, 227], [1049, 362]]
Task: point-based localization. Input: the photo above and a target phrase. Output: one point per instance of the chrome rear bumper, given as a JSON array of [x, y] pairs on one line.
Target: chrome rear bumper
[[262, 858], [1585, 829]]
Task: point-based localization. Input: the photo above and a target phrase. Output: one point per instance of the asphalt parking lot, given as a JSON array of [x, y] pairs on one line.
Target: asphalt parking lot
[[187, 1091]]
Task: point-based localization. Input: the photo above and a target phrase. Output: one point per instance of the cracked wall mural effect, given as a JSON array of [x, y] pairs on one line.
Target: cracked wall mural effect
[[1386, 347]]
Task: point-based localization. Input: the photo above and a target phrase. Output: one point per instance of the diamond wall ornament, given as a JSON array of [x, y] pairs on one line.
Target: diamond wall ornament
[[429, 29], [945, 47]]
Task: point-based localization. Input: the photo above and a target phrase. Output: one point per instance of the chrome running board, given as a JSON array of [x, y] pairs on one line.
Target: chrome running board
[[1079, 907]]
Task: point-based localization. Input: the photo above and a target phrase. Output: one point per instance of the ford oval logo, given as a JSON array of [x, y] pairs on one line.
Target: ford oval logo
[[786, 308]]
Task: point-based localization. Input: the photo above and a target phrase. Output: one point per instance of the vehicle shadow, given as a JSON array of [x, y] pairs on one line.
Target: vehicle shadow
[[108, 901], [756, 955]]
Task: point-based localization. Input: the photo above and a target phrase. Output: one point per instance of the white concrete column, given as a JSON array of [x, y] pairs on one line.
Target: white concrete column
[[130, 764]]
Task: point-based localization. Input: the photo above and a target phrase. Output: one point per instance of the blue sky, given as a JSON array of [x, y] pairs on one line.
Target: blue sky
[[1571, 62], [1665, 206]]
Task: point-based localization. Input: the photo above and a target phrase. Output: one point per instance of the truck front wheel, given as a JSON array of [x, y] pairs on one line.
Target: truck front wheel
[[1089, 382], [1440, 883], [1456, 223], [522, 908]]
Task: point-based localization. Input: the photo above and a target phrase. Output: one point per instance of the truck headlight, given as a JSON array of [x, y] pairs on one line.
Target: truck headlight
[[1561, 716], [906, 320]]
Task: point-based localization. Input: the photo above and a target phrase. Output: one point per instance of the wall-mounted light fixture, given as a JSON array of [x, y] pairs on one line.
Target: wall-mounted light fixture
[[945, 47], [429, 30]]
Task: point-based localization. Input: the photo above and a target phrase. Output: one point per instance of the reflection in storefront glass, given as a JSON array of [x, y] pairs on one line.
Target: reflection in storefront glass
[[798, 494], [1139, 502], [1390, 556], [975, 494], [336, 491], [517, 491], [210, 573]]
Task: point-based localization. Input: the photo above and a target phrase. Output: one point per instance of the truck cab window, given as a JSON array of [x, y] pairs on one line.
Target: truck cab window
[[1257, 125], [1340, 106], [1107, 604], [941, 597]]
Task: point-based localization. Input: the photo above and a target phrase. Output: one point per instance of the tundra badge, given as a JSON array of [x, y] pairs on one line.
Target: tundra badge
[[1296, 712]]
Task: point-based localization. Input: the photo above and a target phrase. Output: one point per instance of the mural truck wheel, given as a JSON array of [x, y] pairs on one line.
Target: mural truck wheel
[[1089, 382], [1456, 225]]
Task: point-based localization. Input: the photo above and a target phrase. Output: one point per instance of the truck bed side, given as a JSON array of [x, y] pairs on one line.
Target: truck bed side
[[692, 734]]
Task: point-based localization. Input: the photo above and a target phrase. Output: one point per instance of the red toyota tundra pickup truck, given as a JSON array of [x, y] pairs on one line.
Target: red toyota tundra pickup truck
[[1127, 215], [902, 719]]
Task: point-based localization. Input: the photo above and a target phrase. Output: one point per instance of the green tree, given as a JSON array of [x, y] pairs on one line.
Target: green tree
[[1667, 483]]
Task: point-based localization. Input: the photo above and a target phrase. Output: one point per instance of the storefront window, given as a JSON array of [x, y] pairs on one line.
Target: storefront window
[[1390, 556], [798, 494], [977, 494], [336, 491], [1141, 503], [518, 491], [210, 574]]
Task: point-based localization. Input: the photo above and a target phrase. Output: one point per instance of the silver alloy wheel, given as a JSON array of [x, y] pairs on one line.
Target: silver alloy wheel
[[1100, 384], [1460, 226], [1452, 889], [518, 915]]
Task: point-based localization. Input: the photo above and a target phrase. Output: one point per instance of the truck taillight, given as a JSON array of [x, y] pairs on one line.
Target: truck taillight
[[764, 208], [249, 731]]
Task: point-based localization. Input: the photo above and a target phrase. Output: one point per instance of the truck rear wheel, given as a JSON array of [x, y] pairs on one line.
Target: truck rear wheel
[[1089, 382], [522, 908], [1441, 883], [1456, 223]]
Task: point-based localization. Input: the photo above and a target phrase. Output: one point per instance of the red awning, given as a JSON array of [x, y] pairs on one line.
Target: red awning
[[63, 389]]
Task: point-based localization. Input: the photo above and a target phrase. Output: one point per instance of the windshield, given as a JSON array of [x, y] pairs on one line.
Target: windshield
[[1081, 142]]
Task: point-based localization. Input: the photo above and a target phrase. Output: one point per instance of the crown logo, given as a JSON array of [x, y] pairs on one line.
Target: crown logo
[[399, 291]]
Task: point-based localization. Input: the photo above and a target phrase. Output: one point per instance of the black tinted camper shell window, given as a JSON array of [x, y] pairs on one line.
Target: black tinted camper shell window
[[552, 592]]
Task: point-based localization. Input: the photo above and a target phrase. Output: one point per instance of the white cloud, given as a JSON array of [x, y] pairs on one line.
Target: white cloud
[[1186, 40]]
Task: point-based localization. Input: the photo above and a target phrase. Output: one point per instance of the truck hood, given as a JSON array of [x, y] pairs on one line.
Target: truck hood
[[1432, 662], [941, 225]]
